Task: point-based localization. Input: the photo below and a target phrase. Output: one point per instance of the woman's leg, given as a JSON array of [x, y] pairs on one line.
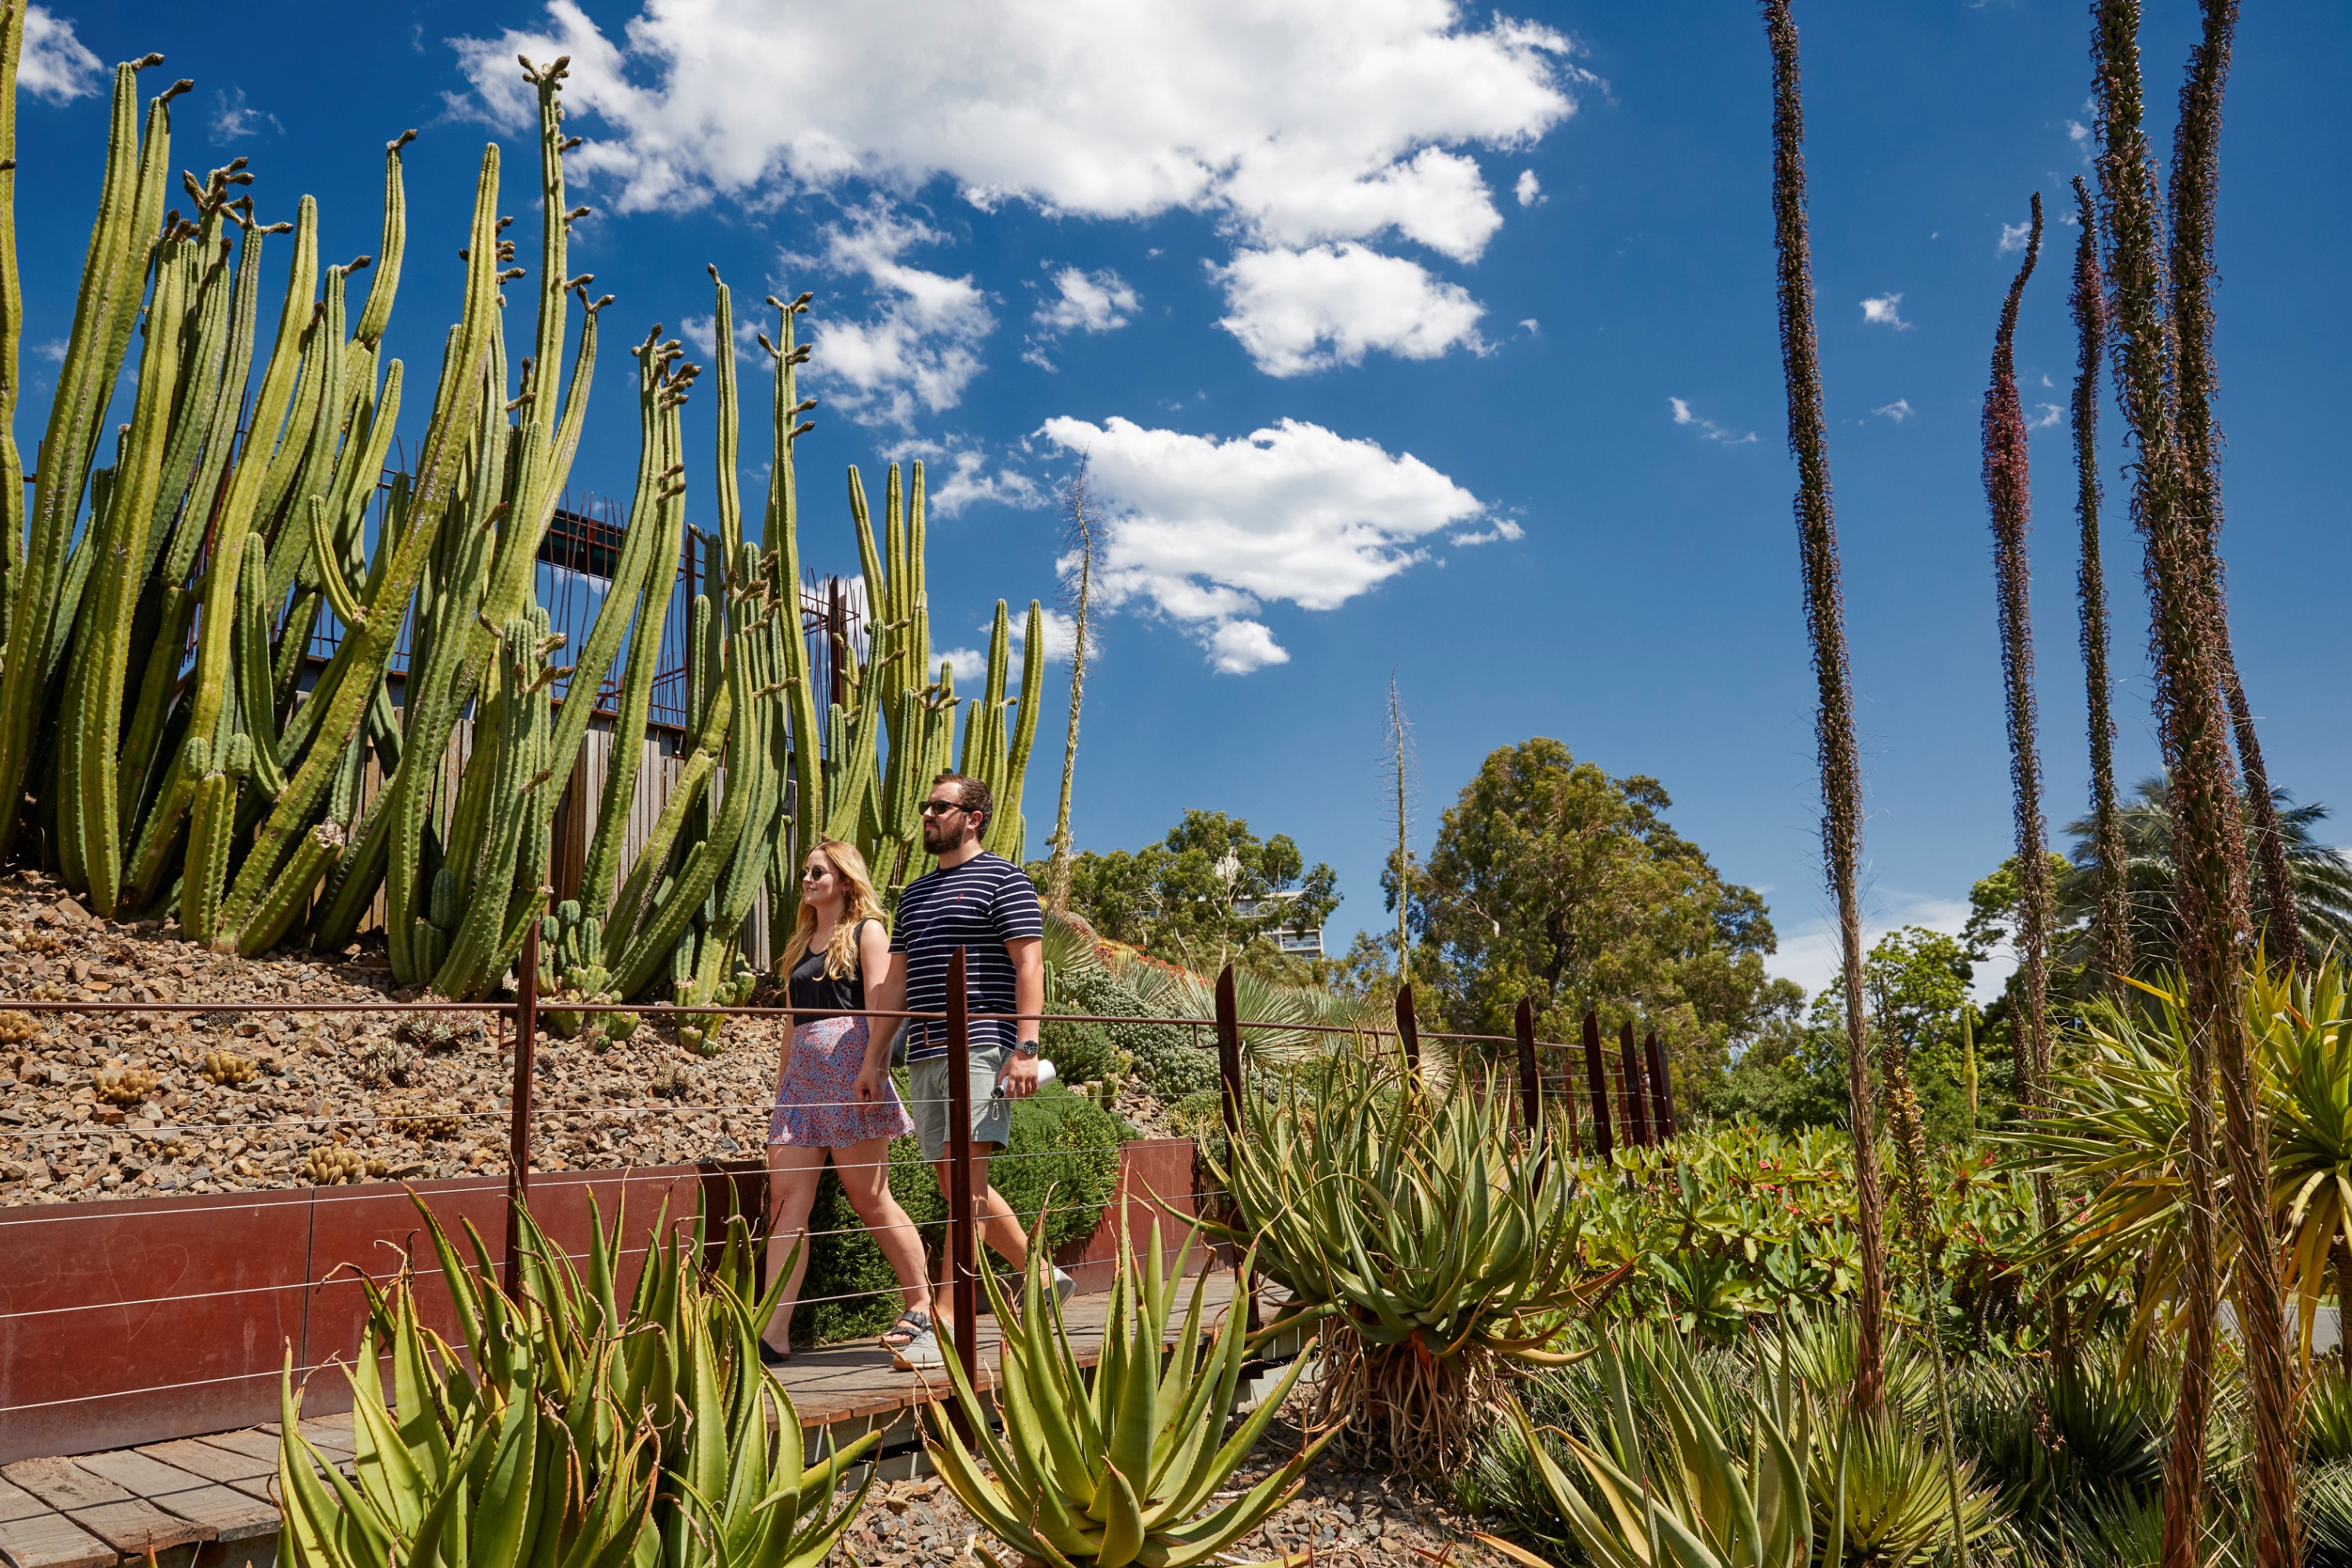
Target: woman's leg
[[865, 1173], [792, 1171]]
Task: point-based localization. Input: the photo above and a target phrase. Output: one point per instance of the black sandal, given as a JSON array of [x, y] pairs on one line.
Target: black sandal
[[770, 1356], [911, 1326]]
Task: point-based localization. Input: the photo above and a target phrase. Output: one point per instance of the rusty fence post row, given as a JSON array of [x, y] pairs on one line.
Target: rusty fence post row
[[1596, 1079], [1637, 1115], [964, 1262], [1662, 1087], [526, 1062], [1530, 1082]]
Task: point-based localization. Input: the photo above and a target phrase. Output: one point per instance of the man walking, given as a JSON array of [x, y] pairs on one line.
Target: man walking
[[983, 904]]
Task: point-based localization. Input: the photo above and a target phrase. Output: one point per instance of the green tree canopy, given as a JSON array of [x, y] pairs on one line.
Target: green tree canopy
[[1551, 879], [1210, 891]]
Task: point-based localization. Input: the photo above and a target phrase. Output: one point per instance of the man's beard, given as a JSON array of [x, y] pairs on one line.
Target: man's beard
[[936, 837]]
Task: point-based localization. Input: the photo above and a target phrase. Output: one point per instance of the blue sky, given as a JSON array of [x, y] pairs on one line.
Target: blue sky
[[1403, 338]]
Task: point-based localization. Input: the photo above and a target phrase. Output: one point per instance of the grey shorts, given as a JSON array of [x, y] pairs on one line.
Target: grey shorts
[[991, 1113]]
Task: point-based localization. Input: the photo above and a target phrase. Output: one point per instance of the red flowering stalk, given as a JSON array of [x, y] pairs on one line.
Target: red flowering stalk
[[2111, 936], [2008, 490], [1841, 761]]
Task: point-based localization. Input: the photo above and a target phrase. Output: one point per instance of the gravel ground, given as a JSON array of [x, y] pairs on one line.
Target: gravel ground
[[1346, 1518], [331, 1097]]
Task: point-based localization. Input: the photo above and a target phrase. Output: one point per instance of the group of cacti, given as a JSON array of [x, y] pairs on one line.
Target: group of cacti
[[160, 729]]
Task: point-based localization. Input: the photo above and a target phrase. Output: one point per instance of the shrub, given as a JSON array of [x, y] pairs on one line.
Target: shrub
[[1063, 1148], [1082, 1053], [1169, 1062]]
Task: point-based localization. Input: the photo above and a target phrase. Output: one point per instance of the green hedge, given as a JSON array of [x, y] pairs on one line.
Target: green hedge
[[1063, 1148]]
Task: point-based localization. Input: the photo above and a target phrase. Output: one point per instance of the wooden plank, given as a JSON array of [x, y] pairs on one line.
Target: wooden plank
[[252, 1443], [42, 1538], [63, 1485], [138, 1527], [330, 1434], [212, 1462], [228, 1515]]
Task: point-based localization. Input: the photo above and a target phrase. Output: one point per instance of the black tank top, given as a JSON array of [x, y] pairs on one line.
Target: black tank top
[[817, 995]]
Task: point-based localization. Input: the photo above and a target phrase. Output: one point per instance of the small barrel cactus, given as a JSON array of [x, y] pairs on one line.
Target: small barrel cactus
[[119, 1085], [227, 1068], [427, 1120], [331, 1165], [16, 1027]]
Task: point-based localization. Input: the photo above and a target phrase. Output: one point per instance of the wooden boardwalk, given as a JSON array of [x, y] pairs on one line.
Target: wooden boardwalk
[[211, 1501]]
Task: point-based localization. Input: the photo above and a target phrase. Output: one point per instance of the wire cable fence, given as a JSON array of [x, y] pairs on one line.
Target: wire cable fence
[[1627, 1090]]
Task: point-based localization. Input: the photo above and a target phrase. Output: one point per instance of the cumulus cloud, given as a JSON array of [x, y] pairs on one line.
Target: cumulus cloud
[[2014, 236], [1882, 311], [1083, 302], [1530, 190], [54, 64], [2050, 414], [1302, 310], [968, 480], [921, 346], [1900, 410], [702, 332], [1811, 954], [1504, 529], [1208, 533], [2080, 135], [1707, 428], [970, 664], [1319, 120]]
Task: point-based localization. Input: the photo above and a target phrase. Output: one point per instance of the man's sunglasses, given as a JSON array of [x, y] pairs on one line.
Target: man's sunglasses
[[939, 807]]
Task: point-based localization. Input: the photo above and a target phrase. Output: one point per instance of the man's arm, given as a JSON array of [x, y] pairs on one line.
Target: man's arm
[[1028, 956]]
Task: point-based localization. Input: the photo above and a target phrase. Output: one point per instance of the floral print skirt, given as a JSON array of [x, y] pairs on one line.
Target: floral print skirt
[[816, 1106]]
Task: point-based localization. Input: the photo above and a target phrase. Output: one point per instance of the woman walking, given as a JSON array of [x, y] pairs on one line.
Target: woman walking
[[834, 1094]]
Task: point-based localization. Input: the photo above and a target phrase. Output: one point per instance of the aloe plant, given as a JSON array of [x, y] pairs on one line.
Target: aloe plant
[[1436, 1249], [1123, 1464], [568, 1427]]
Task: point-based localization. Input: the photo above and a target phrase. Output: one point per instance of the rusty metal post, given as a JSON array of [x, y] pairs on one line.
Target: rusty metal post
[[1596, 1078], [1408, 1029], [1530, 1082], [526, 1061], [1637, 1115], [1229, 1075], [1662, 1087], [963, 1259]]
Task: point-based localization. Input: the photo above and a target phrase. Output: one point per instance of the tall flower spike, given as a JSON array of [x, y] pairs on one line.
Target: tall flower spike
[[1840, 760]]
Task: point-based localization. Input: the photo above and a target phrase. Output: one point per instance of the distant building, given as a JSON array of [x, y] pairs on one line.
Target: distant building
[[1293, 937]]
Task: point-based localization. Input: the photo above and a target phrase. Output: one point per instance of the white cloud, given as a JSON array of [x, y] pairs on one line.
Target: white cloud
[[967, 480], [970, 664], [1708, 429], [1813, 955], [1900, 410], [1530, 190], [2080, 135], [54, 64], [1301, 310], [921, 346], [1504, 529], [2050, 413], [1533, 327], [233, 120], [702, 332], [1882, 310], [1315, 120], [1061, 635], [2014, 236], [1207, 533], [1087, 303], [54, 350]]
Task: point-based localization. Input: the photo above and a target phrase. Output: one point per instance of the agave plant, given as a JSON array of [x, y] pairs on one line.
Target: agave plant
[[565, 1430], [1102, 1471], [1435, 1246], [1676, 1475]]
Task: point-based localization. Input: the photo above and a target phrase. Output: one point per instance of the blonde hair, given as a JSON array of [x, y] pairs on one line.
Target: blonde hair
[[858, 906]]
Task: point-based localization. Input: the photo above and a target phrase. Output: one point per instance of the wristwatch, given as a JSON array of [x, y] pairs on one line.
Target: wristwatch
[[1024, 1048]]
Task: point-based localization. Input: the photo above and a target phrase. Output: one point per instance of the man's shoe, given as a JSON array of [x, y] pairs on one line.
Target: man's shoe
[[920, 1353], [1064, 1286]]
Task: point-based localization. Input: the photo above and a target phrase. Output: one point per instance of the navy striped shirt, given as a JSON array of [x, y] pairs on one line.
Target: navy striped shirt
[[978, 906]]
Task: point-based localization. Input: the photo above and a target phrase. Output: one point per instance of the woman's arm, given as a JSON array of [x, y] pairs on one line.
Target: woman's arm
[[885, 993]]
